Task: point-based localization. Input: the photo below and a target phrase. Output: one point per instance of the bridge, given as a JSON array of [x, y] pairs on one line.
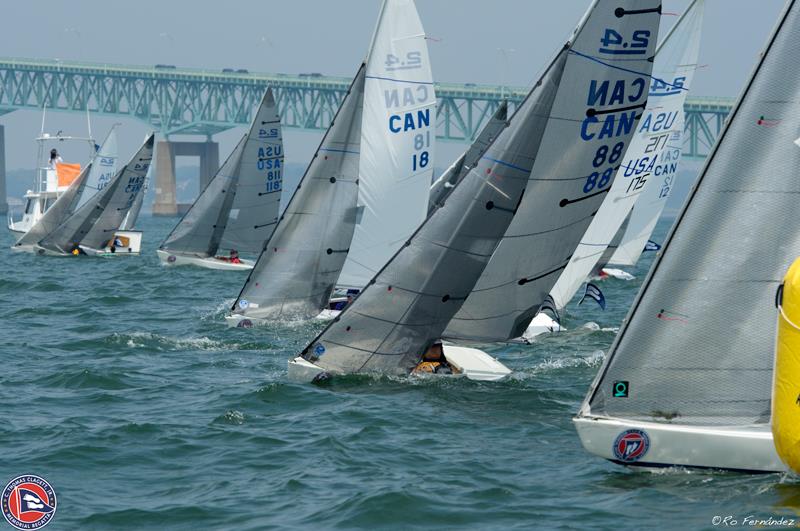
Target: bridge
[[181, 101]]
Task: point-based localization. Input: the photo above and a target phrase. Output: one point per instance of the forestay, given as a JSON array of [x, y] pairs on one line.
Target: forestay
[[697, 345], [413, 298], [58, 212], [397, 145], [654, 172], [603, 93], [297, 270], [94, 223], [651, 159]]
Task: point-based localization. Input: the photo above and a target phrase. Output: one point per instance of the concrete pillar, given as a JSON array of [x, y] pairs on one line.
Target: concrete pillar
[[209, 163], [3, 201], [166, 201]]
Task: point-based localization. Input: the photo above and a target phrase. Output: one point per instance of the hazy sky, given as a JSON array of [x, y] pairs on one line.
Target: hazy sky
[[331, 36]]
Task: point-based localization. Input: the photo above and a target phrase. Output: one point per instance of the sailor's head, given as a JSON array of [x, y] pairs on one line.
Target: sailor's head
[[435, 350], [234, 252], [53, 153]]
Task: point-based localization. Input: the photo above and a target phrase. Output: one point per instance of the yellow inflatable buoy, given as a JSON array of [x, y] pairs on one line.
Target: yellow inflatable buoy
[[786, 380]]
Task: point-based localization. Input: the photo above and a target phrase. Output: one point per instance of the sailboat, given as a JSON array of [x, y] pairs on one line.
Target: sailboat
[[296, 272], [398, 140], [411, 302], [93, 228], [377, 152], [53, 177], [608, 67], [92, 178], [649, 167], [688, 379], [238, 209]]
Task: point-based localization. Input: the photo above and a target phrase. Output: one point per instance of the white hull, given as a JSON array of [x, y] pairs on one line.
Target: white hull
[[328, 315], [470, 362], [235, 320], [619, 274], [209, 262], [541, 324], [727, 448]]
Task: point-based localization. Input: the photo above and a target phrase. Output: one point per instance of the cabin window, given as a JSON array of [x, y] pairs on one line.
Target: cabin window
[[48, 203], [29, 206]]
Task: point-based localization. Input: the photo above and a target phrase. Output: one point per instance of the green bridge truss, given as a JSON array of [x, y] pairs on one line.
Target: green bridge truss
[[180, 101]]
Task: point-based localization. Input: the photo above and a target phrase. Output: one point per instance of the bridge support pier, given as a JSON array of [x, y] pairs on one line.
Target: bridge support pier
[[166, 203], [3, 196]]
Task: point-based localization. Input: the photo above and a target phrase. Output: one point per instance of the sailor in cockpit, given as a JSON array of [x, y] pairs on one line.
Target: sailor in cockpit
[[433, 361]]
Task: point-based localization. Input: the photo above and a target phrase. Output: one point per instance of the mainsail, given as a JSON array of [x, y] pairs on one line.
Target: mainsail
[[606, 79], [203, 223], [697, 346], [655, 171], [397, 142], [238, 209], [104, 168], [412, 299], [650, 161], [93, 224], [297, 270], [129, 223]]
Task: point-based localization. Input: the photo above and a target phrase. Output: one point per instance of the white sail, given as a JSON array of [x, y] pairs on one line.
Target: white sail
[[677, 61], [397, 142], [650, 162], [606, 79], [104, 168], [692, 364]]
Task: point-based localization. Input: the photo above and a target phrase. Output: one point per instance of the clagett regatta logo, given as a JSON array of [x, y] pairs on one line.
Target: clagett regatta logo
[[28, 502]]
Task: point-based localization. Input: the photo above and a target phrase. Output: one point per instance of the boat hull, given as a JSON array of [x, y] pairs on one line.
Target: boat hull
[[541, 324], [471, 363], [209, 262], [671, 445]]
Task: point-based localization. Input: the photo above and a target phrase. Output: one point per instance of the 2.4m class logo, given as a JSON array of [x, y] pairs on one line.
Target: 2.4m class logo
[[28, 502]]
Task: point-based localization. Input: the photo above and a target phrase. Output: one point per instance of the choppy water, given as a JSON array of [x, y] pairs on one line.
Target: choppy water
[[121, 386]]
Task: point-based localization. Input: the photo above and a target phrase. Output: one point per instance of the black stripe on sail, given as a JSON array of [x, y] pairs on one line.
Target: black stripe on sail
[[331, 251], [524, 281], [264, 225], [594, 112], [621, 11], [565, 202]]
